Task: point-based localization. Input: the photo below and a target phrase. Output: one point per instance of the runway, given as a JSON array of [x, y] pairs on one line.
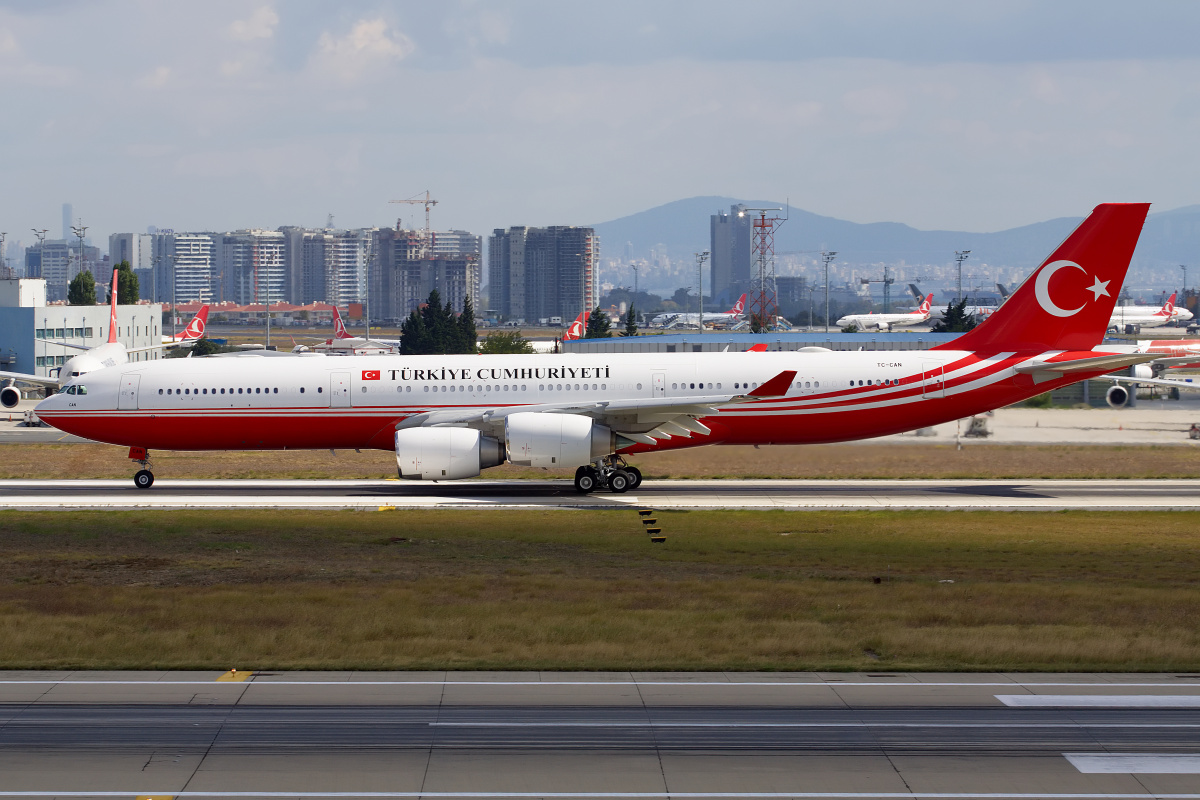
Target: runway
[[565, 735], [1006, 495]]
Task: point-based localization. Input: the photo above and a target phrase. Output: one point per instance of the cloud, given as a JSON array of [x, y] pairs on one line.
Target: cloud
[[157, 78], [260, 25], [369, 47]]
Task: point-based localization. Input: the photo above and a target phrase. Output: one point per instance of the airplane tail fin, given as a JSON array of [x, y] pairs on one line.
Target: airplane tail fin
[[916, 291], [575, 329], [1168, 307], [739, 307], [1066, 303], [195, 328], [1003, 290], [112, 310], [926, 304], [339, 327]]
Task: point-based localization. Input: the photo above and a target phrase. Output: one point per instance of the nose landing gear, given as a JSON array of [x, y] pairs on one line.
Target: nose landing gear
[[143, 478], [610, 472]]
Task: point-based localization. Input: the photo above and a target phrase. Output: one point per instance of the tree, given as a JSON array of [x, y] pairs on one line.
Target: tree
[[82, 291], [205, 347], [597, 325], [128, 291], [631, 327], [955, 319], [468, 337], [434, 330], [505, 342]]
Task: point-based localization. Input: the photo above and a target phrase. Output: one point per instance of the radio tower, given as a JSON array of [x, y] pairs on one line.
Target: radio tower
[[764, 303]]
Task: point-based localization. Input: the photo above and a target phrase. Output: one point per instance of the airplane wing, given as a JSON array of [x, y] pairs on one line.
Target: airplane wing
[[640, 420], [1116, 361], [72, 346], [36, 380], [1149, 382]]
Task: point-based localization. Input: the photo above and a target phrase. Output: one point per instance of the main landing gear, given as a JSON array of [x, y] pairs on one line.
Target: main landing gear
[[143, 478], [610, 472]]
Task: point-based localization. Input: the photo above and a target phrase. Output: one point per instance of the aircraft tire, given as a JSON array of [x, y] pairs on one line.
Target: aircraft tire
[[619, 481], [636, 475], [143, 479], [585, 480]]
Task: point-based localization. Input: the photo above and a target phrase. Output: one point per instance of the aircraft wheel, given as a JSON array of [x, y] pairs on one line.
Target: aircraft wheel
[[619, 481], [143, 479], [585, 480], [635, 475]]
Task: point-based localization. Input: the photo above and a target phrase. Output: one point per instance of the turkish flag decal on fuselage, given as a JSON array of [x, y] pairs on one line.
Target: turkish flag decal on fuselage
[[370, 375]]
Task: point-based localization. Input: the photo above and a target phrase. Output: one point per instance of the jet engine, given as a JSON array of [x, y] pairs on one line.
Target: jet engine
[[555, 440], [1142, 371], [445, 454], [1117, 396], [10, 396]]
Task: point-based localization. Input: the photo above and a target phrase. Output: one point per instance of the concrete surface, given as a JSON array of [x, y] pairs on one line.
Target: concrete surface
[[800, 735]]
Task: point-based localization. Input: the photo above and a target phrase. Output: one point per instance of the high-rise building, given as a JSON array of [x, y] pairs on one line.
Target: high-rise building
[[253, 267], [731, 245], [537, 273], [183, 267], [138, 250], [407, 269], [68, 220], [58, 261]]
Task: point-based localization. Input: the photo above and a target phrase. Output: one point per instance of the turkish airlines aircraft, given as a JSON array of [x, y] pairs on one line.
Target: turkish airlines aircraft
[[883, 322], [709, 317], [577, 328], [1143, 318], [448, 417], [193, 330], [110, 354]]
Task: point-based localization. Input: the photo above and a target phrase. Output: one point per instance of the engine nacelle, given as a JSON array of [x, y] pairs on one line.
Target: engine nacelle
[[1117, 396], [1142, 371], [445, 454], [10, 396], [555, 440]]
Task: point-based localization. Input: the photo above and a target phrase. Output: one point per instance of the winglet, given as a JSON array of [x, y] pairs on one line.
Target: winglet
[[761, 347], [112, 311], [776, 387]]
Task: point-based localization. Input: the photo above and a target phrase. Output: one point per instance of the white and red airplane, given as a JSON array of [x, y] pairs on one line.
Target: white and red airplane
[[343, 343], [447, 417], [1144, 317], [883, 322], [110, 354], [729, 317], [577, 328]]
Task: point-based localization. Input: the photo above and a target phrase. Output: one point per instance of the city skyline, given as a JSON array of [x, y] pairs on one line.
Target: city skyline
[[980, 116]]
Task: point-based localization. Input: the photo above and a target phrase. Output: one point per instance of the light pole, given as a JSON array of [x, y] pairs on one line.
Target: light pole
[[174, 276], [700, 259], [827, 256], [960, 256], [1181, 266], [79, 230], [3, 255]]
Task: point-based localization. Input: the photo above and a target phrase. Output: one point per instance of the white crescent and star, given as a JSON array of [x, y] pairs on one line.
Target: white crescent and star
[[1041, 288]]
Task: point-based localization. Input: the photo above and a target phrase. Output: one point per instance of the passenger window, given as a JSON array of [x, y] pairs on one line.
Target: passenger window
[[187, 391], [639, 386], [364, 390], [522, 387], [275, 390], [239, 391], [258, 390], [427, 388], [816, 384], [406, 388], [160, 391], [807, 385], [320, 389]]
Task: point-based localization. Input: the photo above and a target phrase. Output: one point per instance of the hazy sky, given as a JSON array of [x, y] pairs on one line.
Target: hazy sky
[[961, 115]]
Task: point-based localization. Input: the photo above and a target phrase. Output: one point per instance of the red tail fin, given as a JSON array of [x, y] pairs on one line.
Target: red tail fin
[[112, 310], [575, 329], [339, 327], [195, 328], [739, 306], [925, 304], [1168, 307], [1067, 302]]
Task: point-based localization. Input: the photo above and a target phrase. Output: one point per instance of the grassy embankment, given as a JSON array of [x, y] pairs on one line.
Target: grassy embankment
[[849, 462], [585, 590]]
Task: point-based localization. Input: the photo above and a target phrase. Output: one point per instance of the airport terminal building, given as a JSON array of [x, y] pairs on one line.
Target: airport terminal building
[[30, 329]]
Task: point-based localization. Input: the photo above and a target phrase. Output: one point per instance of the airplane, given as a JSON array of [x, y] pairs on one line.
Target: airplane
[[343, 343], [883, 322], [448, 417], [110, 354], [577, 328], [708, 317], [1142, 317]]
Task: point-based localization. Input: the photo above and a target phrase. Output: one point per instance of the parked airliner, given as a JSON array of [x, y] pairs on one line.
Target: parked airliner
[[1148, 316], [883, 322], [448, 417]]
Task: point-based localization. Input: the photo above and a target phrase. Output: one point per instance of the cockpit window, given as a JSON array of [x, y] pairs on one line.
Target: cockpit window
[[70, 390], [82, 390]]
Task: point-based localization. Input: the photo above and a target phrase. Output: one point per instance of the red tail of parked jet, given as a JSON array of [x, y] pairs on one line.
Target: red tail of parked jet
[[112, 310], [195, 328], [925, 305], [1168, 307], [576, 329], [339, 327], [739, 307], [1066, 303]]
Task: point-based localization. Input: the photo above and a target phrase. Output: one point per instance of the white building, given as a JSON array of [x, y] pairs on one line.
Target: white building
[[253, 266], [183, 267]]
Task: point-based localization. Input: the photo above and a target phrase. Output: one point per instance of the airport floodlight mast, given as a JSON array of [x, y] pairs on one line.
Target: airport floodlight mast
[[764, 299], [4, 256], [960, 256], [80, 230], [827, 256], [887, 280], [700, 259], [1182, 294]]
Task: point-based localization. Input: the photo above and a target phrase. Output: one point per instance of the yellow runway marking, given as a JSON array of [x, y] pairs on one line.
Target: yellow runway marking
[[235, 675], [155, 797], [387, 508]]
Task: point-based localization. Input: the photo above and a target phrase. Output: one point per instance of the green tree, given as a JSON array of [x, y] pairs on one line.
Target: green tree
[[82, 291], [468, 337], [597, 325], [434, 329], [505, 342], [205, 347], [128, 291], [631, 327], [955, 319]]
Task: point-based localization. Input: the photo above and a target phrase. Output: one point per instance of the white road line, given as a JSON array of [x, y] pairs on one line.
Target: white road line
[[1135, 763], [1101, 700]]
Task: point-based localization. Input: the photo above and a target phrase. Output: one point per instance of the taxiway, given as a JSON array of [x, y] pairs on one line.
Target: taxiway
[[1008, 495]]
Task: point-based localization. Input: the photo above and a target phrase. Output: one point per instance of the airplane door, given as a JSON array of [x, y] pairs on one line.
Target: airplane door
[[127, 400], [659, 385], [932, 384], [339, 390]]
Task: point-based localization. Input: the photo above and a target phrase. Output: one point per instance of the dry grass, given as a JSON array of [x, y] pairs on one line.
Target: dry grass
[[585, 590], [851, 461]]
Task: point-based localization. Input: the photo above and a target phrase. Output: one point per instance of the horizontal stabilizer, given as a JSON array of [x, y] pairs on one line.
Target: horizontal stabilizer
[[1108, 363]]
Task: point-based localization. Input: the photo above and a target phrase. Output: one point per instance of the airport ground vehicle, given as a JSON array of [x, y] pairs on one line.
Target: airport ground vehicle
[[449, 417]]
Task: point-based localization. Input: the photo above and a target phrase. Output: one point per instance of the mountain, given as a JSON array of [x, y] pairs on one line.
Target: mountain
[[682, 227]]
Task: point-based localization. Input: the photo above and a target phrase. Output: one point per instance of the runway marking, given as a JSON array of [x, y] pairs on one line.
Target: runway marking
[[1101, 700], [650, 795], [233, 676], [1135, 763]]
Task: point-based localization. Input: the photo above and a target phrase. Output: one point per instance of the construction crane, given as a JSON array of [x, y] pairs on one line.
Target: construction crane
[[417, 200]]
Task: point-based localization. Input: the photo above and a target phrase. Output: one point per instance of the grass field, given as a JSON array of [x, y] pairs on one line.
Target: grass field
[[586, 590], [848, 462]]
